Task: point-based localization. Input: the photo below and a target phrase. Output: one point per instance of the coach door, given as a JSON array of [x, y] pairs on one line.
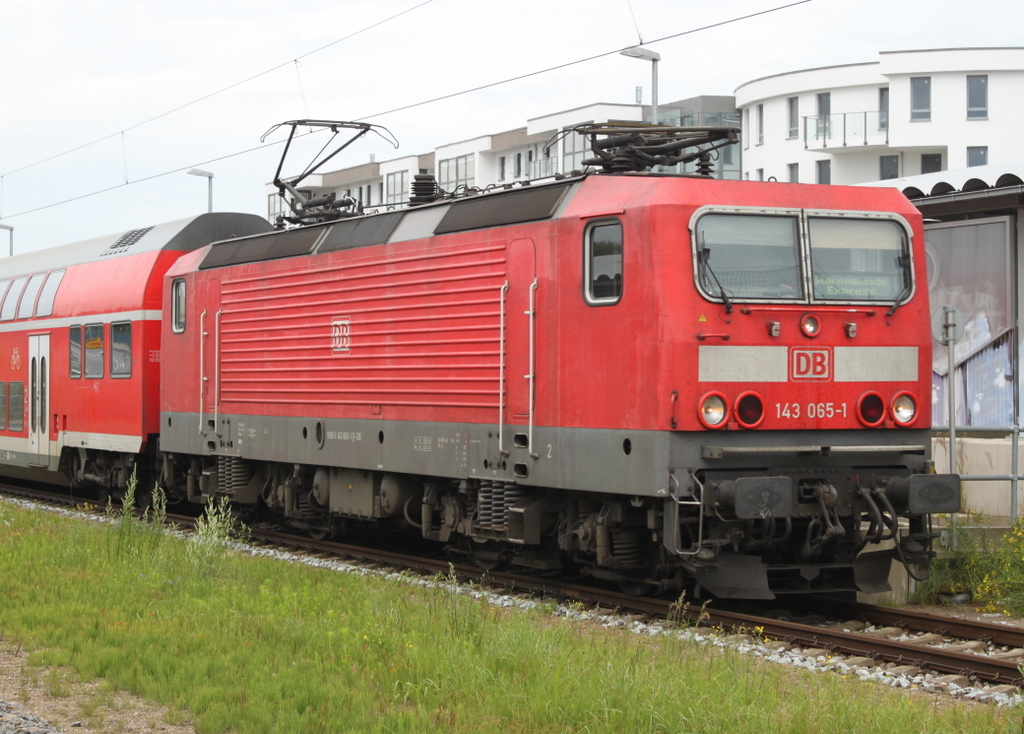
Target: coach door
[[39, 399], [520, 377]]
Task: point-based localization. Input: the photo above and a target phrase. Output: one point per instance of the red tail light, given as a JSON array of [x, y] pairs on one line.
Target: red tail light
[[871, 409], [749, 410]]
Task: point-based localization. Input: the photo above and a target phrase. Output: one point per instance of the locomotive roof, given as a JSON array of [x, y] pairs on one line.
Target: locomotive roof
[[183, 235], [492, 209]]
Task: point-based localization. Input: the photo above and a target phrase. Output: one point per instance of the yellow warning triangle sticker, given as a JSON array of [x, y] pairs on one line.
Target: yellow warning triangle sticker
[[702, 318]]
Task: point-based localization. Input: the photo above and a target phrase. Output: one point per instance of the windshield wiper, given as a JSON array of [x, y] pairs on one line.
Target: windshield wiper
[[705, 257], [901, 264]]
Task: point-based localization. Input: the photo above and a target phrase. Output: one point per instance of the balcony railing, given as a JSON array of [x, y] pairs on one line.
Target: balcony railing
[[846, 129], [542, 167]]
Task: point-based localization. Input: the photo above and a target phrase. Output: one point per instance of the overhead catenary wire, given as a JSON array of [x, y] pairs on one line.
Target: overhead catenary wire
[[221, 91], [421, 103]]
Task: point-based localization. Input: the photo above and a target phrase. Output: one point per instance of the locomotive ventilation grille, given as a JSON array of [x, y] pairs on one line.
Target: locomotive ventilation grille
[[493, 501]]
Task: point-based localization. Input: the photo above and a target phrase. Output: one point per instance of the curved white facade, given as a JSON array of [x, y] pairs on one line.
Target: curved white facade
[[908, 113]]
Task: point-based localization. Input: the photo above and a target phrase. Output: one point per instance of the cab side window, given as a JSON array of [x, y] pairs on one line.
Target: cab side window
[[178, 306], [602, 263]]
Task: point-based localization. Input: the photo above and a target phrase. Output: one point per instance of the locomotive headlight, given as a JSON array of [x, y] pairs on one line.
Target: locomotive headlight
[[713, 410], [810, 325], [904, 409]]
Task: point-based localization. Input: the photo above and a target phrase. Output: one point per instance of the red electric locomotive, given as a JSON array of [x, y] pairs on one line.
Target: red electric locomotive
[[80, 350], [659, 380]]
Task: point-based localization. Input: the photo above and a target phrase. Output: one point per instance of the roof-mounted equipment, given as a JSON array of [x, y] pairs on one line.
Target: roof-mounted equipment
[[635, 146]]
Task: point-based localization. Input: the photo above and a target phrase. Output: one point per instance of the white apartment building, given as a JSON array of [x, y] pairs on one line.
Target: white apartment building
[[910, 112], [541, 149]]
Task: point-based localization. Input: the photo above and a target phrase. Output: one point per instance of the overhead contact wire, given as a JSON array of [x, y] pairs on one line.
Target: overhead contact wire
[[404, 107], [220, 91]]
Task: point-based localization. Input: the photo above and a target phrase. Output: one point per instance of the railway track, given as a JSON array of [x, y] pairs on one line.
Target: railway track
[[965, 652]]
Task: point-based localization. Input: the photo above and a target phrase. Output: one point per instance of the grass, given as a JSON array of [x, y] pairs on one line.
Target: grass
[[254, 645]]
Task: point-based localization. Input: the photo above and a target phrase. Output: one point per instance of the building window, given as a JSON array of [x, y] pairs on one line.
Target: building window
[[75, 357], [794, 173], [977, 97], [793, 113], [501, 168], [574, 150], [178, 306], [457, 172], [888, 167], [121, 349], [519, 165], [824, 171], [883, 108], [760, 124], [931, 162], [920, 98], [760, 174], [16, 407], [746, 128], [824, 114], [397, 187], [94, 350], [603, 262], [977, 156]]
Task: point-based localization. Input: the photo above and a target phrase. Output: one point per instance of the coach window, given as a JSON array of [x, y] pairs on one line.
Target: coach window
[[49, 293], [858, 259], [75, 358], [94, 350], [10, 306], [121, 349], [603, 262], [16, 407], [745, 256], [3, 406], [178, 306], [27, 307]]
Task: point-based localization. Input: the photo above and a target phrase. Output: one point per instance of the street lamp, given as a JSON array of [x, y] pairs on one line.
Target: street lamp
[[10, 230], [209, 177], [639, 52]]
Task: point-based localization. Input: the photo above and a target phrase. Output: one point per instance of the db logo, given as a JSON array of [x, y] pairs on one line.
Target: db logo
[[810, 364], [340, 335]]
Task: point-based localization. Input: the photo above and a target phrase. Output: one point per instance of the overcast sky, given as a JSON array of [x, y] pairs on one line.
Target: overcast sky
[[77, 71]]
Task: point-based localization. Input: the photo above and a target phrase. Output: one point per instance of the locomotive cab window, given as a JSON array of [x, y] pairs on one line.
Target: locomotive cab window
[[602, 262], [94, 350], [858, 259], [744, 256], [178, 306], [121, 349]]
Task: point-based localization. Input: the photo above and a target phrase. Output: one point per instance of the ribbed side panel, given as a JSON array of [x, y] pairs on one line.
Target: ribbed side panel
[[418, 329]]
